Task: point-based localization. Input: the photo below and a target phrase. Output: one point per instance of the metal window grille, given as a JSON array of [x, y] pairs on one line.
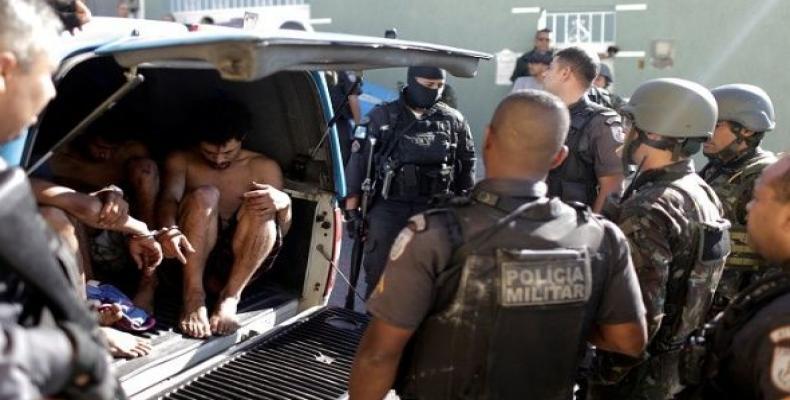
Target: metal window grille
[[198, 5], [570, 28]]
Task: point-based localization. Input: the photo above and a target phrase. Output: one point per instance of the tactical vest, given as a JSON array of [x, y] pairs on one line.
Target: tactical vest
[[730, 189], [417, 159], [690, 296], [510, 310], [712, 349], [575, 179]]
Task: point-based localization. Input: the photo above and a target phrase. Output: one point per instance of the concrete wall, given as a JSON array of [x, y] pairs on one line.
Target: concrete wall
[[716, 41]]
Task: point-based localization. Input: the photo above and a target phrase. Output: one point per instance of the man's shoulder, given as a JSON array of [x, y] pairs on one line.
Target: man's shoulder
[[258, 160], [448, 112]]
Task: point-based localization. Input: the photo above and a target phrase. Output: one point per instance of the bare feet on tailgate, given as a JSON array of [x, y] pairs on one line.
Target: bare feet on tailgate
[[194, 318], [224, 320], [125, 345]]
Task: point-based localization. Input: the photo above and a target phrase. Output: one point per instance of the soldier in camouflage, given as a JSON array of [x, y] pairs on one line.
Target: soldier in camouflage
[[673, 222], [746, 113]]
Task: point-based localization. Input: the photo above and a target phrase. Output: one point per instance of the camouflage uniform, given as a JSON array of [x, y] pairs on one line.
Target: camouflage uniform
[[657, 219], [733, 182]]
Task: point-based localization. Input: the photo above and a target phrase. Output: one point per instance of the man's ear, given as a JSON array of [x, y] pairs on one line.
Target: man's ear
[[747, 133], [8, 63], [560, 157], [487, 138]]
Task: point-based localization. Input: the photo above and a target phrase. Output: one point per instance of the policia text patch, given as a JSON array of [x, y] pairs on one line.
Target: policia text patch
[[534, 278]]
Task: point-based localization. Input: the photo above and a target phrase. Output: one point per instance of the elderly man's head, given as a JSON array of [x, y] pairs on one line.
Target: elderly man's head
[[28, 33]]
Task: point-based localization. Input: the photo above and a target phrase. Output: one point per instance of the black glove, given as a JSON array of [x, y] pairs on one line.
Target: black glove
[[354, 222], [91, 377]]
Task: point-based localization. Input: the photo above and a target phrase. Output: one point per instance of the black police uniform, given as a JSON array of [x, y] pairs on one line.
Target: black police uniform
[[749, 353], [47, 336], [502, 291], [595, 133], [415, 160], [339, 89]]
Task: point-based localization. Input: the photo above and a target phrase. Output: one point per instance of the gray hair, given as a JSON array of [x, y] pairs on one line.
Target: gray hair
[[28, 28]]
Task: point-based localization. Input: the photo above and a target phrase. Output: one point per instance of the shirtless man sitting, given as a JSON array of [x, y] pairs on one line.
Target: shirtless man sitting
[[102, 157], [227, 215]]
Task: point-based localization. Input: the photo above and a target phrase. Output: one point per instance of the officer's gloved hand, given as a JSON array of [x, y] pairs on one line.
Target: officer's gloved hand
[[354, 223], [91, 376]]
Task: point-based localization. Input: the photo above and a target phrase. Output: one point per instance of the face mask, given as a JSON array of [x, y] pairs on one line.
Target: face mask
[[419, 96]]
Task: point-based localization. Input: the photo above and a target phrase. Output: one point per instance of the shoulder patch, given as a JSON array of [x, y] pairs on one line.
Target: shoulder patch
[[418, 223], [404, 237], [780, 369], [355, 146]]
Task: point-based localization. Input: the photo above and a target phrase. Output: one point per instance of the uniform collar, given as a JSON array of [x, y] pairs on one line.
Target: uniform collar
[[512, 188], [580, 105], [737, 162], [668, 173]]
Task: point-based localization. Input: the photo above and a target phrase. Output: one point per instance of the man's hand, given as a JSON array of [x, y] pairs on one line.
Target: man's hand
[[146, 252], [354, 223], [175, 245], [265, 199], [114, 210]]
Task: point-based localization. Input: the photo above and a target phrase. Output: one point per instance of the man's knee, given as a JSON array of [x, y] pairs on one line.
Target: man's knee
[[142, 171], [203, 197]]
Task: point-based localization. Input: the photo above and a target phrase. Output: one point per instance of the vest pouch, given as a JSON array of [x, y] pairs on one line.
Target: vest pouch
[[424, 147]]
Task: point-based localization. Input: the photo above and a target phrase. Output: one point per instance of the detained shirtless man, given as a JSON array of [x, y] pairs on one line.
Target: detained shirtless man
[[100, 158], [227, 215]]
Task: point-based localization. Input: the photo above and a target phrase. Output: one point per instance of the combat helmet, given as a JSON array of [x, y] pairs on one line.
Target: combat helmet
[[674, 108], [748, 105]]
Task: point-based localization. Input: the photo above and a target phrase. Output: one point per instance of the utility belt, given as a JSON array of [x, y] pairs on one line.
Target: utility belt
[[412, 180]]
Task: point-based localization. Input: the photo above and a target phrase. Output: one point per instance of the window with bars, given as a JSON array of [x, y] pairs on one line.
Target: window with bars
[[579, 28], [197, 5]]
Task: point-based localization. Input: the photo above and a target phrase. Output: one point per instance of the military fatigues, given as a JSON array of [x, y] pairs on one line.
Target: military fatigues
[[734, 182], [605, 98], [434, 156], [664, 219], [475, 292], [595, 133]]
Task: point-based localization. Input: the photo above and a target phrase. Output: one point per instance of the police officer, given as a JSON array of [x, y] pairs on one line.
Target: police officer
[[750, 348], [424, 149], [48, 341], [497, 294], [592, 170], [344, 90], [746, 113], [673, 221], [600, 93]]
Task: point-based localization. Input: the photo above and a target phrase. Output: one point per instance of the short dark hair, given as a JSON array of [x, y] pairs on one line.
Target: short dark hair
[[220, 120], [582, 63], [544, 30]]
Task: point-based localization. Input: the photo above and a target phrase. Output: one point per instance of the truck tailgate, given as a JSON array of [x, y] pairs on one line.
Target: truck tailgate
[[309, 359]]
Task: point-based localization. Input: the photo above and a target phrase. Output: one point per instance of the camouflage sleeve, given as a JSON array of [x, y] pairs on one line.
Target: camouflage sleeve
[[465, 159], [622, 299], [648, 229], [405, 292]]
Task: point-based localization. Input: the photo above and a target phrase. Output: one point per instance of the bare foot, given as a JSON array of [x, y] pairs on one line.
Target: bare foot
[[224, 320], [110, 314], [124, 345], [194, 318], [145, 294]]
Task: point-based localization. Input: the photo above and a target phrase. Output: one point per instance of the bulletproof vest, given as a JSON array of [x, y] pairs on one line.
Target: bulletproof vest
[[730, 184], [692, 282], [509, 315], [416, 159], [575, 179], [717, 338]]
